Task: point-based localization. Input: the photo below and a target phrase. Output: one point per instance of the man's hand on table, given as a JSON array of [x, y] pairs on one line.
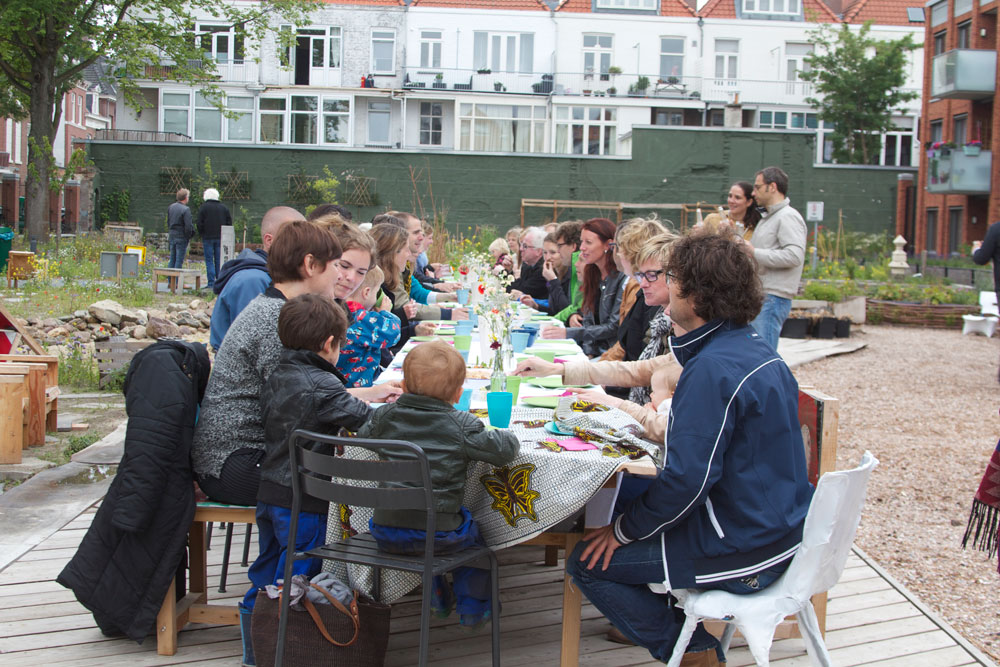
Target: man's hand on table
[[425, 328], [529, 302], [459, 314], [602, 545], [597, 396], [387, 392], [553, 333], [451, 288], [535, 367]]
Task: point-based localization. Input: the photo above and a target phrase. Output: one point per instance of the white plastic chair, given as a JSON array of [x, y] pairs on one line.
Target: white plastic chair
[[826, 541], [988, 303]]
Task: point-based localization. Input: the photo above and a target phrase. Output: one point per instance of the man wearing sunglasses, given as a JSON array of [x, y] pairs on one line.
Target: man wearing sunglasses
[[531, 281], [779, 246]]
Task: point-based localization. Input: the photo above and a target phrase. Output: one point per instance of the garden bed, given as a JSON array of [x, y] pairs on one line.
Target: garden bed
[[943, 315]]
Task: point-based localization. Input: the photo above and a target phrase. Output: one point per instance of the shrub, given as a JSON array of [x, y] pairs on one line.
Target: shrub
[[822, 292]]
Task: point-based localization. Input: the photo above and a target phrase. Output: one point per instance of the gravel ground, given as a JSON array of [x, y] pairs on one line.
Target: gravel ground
[[925, 402]]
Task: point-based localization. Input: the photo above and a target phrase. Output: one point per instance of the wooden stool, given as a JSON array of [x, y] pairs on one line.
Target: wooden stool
[[193, 606], [176, 278]]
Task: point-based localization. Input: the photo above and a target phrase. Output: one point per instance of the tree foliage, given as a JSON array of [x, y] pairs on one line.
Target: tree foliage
[[46, 45], [858, 81]]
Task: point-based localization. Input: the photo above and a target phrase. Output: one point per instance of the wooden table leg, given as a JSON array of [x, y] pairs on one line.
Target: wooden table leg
[[166, 622], [572, 600], [197, 563]]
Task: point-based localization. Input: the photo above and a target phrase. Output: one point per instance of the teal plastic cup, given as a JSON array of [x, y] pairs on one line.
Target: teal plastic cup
[[499, 404], [463, 296], [463, 403], [519, 340]]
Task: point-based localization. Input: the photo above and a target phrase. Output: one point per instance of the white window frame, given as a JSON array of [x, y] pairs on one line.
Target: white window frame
[[579, 115], [431, 48], [729, 61], [292, 113], [267, 113], [643, 5], [671, 54], [339, 113], [380, 36], [203, 30], [431, 132], [204, 107], [335, 47], [504, 52], [164, 107], [371, 141], [470, 115], [229, 124], [600, 57], [775, 7]]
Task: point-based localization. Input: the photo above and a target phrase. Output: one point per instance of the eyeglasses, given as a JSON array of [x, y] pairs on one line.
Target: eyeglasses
[[759, 186], [649, 276]]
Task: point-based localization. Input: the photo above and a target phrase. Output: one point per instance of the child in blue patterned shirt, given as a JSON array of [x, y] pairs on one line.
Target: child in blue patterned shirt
[[372, 330]]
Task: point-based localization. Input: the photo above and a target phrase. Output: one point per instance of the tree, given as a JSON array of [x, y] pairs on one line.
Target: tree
[[858, 81], [46, 44]]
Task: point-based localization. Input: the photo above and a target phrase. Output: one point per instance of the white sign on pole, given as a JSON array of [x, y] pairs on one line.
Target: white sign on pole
[[814, 211], [228, 245]]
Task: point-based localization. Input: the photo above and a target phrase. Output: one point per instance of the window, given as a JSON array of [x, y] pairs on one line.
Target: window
[[671, 57], [931, 243], [795, 63], [336, 120], [586, 130], [954, 229], [335, 49], [221, 44], [597, 55], [796, 120], [383, 56], [959, 125], [503, 52], [790, 7], [430, 48], [272, 119], [939, 13], [176, 109], [91, 102], [897, 149], [207, 119], [963, 35], [431, 114], [379, 118], [668, 117], [647, 5], [304, 119], [502, 128], [239, 127], [939, 46], [937, 131], [726, 58]]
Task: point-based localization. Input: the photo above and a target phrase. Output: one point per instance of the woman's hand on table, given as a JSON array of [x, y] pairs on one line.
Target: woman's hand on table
[[459, 314], [425, 328], [451, 288], [575, 320], [601, 545], [597, 396], [387, 392], [535, 367], [410, 309], [553, 333], [529, 302]]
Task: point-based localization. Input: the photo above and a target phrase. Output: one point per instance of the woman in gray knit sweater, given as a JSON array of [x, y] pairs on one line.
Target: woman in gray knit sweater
[[229, 437]]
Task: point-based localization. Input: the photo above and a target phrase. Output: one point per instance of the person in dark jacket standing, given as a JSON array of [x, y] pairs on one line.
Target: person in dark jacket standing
[[179, 229], [212, 215], [727, 510], [130, 554]]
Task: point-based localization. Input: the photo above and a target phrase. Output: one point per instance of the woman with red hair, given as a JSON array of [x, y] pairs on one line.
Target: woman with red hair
[[595, 328]]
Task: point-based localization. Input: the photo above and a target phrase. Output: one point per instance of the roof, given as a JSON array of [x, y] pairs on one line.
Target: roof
[[815, 10], [667, 7], [98, 77], [880, 12]]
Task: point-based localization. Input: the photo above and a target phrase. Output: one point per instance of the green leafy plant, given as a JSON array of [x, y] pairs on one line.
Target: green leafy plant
[[78, 443], [77, 367], [822, 292], [115, 206]]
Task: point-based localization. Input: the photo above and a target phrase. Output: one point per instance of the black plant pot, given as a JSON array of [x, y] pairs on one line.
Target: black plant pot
[[795, 327], [843, 329], [825, 327]]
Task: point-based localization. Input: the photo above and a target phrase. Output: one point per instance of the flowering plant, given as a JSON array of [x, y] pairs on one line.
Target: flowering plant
[[497, 314], [975, 142]]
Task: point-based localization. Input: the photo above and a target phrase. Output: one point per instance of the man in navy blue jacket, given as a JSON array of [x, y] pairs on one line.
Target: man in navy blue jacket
[[727, 510]]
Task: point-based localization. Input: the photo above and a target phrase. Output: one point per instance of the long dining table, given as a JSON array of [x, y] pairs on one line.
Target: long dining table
[[539, 497]]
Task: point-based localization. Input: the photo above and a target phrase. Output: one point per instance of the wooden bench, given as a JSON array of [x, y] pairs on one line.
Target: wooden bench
[[37, 410], [114, 355], [192, 605], [13, 409], [176, 278]]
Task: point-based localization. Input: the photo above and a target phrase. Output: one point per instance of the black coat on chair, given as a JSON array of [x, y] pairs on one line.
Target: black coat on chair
[[132, 551]]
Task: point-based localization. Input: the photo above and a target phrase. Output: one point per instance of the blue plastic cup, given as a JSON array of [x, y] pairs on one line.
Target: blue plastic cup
[[535, 326], [519, 339], [499, 404], [463, 296], [463, 403], [464, 327], [532, 333], [465, 355]]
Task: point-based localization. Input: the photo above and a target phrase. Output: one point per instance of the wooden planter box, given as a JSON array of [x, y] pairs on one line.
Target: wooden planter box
[[945, 316]]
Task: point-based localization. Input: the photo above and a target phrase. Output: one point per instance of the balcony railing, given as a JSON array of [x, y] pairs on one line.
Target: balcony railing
[[141, 135], [242, 72], [966, 74], [952, 171]]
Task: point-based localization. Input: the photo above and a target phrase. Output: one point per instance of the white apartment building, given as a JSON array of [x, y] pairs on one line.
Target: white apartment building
[[517, 76]]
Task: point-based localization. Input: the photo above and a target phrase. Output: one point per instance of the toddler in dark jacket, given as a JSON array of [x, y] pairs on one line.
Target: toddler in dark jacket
[[433, 374], [306, 391]]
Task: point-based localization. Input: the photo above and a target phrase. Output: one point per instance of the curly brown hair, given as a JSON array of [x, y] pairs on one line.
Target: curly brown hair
[[718, 276]]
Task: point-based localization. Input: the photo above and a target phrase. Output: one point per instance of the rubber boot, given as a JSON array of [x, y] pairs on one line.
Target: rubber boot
[[245, 616]]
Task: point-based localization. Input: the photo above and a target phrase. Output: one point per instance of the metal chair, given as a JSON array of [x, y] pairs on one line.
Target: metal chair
[[329, 478], [831, 523]]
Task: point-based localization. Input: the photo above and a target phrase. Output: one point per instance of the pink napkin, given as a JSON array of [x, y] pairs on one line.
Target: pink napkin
[[575, 444]]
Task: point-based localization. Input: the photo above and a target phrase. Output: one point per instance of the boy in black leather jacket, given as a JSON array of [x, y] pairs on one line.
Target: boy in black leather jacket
[[306, 391], [433, 374]]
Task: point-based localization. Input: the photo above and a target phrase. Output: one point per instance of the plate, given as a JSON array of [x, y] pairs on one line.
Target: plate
[[551, 427], [553, 382], [425, 339], [540, 401]]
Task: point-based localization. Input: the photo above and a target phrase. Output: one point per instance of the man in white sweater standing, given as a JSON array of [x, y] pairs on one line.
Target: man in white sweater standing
[[779, 246]]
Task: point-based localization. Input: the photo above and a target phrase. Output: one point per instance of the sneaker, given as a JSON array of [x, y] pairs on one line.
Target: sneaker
[[473, 622], [442, 598]]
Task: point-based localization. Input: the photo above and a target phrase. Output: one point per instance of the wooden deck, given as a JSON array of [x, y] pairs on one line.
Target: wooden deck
[[871, 621]]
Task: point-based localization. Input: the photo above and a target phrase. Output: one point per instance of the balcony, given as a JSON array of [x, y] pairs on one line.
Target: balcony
[[952, 172], [241, 72], [964, 74]]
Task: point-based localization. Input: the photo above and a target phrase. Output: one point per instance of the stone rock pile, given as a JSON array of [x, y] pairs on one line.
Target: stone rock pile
[[109, 318]]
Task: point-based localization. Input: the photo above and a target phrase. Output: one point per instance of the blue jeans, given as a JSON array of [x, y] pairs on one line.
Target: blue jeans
[[178, 248], [649, 619], [273, 524], [772, 315], [212, 249]]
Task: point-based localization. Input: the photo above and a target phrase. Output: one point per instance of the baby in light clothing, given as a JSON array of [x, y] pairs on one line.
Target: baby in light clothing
[[662, 385]]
